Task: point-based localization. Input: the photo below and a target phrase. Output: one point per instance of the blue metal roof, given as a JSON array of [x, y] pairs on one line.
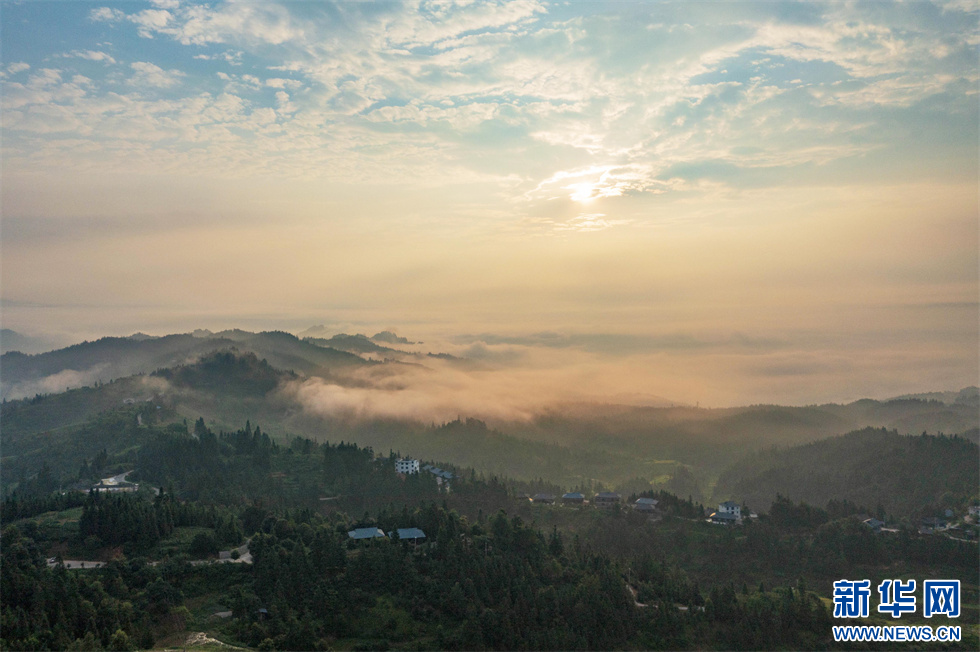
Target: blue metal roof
[[365, 533], [409, 533]]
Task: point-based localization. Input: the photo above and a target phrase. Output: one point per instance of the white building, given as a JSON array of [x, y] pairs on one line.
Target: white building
[[729, 513], [731, 507], [407, 466]]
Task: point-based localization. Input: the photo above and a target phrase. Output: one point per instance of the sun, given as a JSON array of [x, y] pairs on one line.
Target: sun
[[584, 193]]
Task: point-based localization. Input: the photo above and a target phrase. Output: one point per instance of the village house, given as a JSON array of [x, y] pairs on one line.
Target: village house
[[607, 499], [441, 475], [874, 524], [412, 534], [116, 484], [407, 466], [932, 524], [573, 498], [543, 499], [645, 504], [118, 487], [363, 533], [729, 513]]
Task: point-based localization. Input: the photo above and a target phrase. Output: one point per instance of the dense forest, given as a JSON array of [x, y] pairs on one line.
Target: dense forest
[[493, 572]]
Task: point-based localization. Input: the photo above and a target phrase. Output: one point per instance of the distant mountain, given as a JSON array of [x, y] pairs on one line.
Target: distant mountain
[[117, 357], [316, 331], [966, 396], [868, 467], [390, 338], [13, 341], [911, 415], [351, 343]]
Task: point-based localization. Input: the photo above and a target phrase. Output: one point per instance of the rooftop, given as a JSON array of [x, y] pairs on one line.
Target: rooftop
[[408, 533], [365, 533]]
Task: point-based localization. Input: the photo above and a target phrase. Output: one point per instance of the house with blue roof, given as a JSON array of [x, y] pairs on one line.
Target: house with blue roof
[[363, 533]]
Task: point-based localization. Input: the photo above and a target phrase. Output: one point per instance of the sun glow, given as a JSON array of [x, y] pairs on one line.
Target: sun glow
[[588, 191]]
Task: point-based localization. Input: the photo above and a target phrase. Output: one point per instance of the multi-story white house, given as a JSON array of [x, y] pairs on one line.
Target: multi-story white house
[[731, 507], [407, 466], [729, 513]]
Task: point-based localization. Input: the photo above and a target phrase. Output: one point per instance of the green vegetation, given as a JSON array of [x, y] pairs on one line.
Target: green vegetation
[[494, 571], [908, 476]]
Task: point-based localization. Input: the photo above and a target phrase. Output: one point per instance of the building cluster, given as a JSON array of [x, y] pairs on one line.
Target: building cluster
[[602, 500], [116, 484], [948, 524], [408, 466], [412, 534]]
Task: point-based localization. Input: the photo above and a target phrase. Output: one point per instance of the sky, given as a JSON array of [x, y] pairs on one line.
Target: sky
[[712, 202]]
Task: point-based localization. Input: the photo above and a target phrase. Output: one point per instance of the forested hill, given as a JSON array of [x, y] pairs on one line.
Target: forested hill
[[868, 467], [117, 357], [226, 372], [353, 344]]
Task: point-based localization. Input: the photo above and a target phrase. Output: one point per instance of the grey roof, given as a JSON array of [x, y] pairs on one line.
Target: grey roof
[[728, 504], [543, 497], [365, 533], [646, 501], [435, 470], [610, 495], [574, 496], [408, 533]]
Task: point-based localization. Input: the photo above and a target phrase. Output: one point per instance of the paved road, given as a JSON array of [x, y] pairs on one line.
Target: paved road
[[224, 557], [76, 563]]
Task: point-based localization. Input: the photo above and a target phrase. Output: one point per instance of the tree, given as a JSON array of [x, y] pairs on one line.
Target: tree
[[204, 545]]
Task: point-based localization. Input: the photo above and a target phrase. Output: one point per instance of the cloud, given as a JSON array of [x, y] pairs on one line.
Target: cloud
[[436, 23], [521, 377], [107, 15], [149, 21], [607, 109], [278, 82], [57, 383], [233, 57], [149, 74], [229, 22], [15, 68], [91, 55], [440, 393]]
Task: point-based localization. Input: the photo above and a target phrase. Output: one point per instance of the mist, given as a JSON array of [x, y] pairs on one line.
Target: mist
[[517, 378]]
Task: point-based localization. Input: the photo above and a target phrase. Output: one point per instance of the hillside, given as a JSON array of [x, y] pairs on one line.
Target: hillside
[[118, 357], [869, 467], [681, 448], [712, 438]]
